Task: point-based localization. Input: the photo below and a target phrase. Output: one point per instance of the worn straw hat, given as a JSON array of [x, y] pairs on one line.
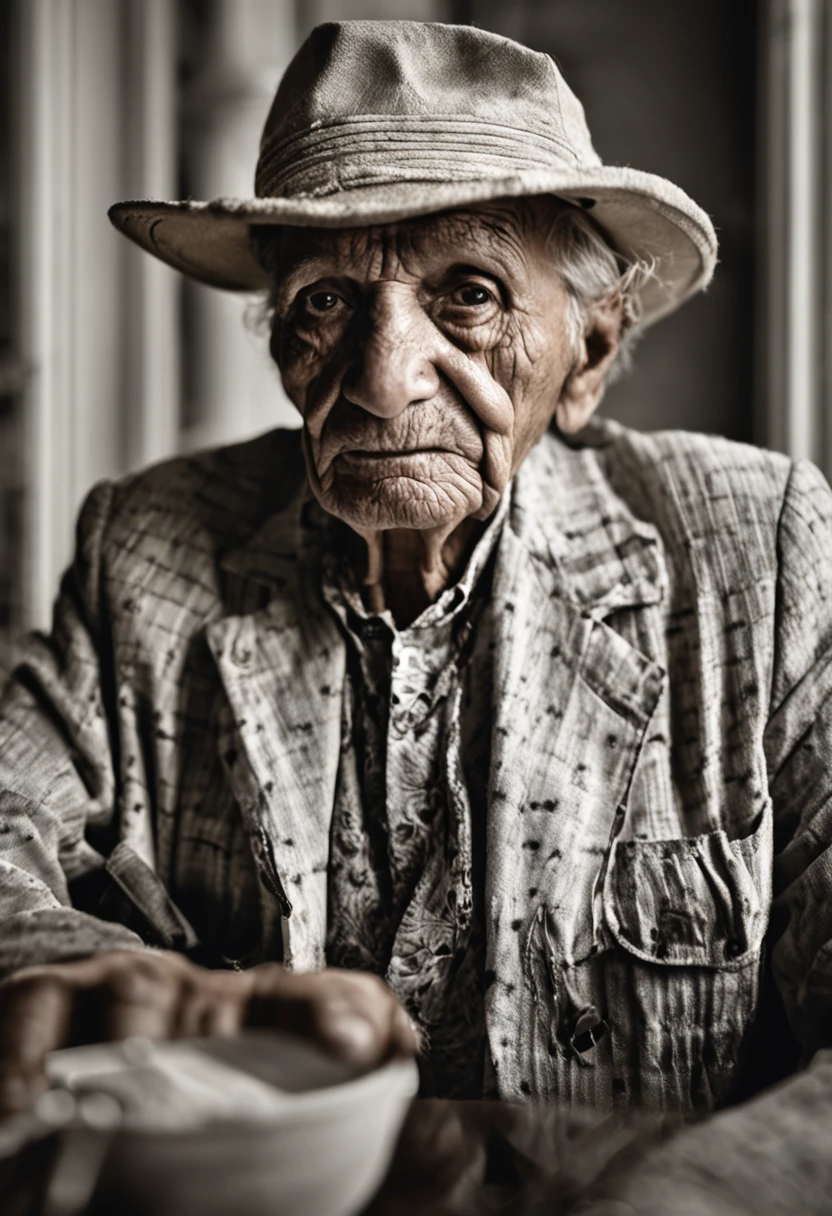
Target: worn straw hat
[[376, 121]]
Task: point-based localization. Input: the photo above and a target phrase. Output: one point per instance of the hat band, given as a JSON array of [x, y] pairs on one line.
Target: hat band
[[375, 149]]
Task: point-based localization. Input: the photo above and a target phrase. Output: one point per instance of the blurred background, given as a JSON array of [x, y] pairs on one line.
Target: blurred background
[[109, 361]]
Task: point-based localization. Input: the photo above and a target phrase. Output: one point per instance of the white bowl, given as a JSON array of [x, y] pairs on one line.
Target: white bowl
[[262, 1123]]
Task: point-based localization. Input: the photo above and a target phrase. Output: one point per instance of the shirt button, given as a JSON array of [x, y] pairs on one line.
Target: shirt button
[[733, 949], [590, 1028], [373, 628]]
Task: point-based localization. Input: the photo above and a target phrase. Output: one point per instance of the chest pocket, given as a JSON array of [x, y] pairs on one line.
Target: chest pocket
[[688, 917], [699, 901]]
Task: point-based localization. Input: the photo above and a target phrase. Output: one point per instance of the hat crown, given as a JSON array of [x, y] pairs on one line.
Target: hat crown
[[406, 100], [377, 122]]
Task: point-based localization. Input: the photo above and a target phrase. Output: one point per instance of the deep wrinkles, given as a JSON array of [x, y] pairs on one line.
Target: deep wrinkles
[[439, 423], [483, 385], [446, 487]]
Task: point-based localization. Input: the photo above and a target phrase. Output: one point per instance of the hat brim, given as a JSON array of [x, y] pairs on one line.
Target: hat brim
[[643, 215]]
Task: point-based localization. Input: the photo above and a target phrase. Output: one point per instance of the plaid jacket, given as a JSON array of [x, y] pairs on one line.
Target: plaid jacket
[[659, 803]]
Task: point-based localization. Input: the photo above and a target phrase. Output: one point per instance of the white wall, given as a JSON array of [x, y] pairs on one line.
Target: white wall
[[795, 187], [96, 116], [233, 387]]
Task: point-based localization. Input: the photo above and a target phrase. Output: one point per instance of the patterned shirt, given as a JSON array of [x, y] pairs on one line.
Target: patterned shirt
[[407, 841]]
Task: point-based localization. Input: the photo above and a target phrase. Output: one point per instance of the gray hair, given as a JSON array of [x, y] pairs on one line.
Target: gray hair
[[592, 272]]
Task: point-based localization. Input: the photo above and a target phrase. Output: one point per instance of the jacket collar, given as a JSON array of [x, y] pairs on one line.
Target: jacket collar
[[271, 554], [589, 546]]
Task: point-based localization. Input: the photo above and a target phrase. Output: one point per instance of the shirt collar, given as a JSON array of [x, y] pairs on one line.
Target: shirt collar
[[340, 588]]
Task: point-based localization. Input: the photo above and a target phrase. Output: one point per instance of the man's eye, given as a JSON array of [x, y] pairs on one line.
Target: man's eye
[[471, 296], [323, 301]]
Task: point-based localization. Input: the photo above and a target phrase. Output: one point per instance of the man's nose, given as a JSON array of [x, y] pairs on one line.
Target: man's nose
[[392, 368]]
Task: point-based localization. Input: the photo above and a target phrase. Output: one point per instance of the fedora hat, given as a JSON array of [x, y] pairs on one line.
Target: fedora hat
[[378, 121]]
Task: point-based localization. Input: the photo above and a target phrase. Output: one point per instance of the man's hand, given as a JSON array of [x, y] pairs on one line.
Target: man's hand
[[163, 996]]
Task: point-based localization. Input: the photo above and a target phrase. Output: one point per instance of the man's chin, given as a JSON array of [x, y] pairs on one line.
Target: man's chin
[[400, 502]]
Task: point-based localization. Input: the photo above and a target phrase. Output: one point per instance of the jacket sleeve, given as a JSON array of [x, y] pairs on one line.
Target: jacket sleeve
[[57, 786], [798, 745]]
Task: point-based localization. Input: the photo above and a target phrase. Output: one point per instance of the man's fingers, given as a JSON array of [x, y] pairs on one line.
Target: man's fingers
[[212, 1003], [352, 1032], [355, 1016], [404, 1034], [45, 1008], [369, 998], [147, 1010], [35, 1014], [221, 1017], [321, 1011], [124, 995]]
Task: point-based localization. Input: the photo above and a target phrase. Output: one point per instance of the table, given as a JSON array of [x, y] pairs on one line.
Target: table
[[769, 1157]]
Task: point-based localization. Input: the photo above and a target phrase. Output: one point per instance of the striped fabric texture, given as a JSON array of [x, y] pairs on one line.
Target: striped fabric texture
[[658, 818]]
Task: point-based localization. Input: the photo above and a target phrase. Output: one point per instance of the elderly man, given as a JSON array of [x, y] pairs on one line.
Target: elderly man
[[448, 703]]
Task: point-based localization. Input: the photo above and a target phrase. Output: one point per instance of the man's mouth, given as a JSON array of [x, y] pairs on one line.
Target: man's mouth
[[383, 452], [364, 455]]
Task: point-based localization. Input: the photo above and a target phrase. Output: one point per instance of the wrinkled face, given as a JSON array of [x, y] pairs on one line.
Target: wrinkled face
[[426, 358]]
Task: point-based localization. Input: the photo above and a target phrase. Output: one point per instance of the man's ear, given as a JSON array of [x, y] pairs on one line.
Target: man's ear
[[584, 386]]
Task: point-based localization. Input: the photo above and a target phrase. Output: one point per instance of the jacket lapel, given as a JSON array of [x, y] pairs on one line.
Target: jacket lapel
[[572, 702], [282, 667]]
